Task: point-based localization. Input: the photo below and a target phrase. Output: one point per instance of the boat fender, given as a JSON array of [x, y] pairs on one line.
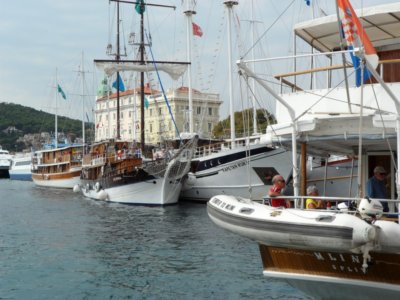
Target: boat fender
[[388, 235], [76, 188], [191, 179], [102, 195], [97, 187]]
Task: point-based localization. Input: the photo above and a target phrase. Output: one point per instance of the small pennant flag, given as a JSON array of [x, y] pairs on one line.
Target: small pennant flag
[[119, 85], [60, 90], [197, 30], [140, 7], [146, 102]]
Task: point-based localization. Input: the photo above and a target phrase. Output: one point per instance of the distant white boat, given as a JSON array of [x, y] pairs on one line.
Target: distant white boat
[[5, 159], [21, 167]]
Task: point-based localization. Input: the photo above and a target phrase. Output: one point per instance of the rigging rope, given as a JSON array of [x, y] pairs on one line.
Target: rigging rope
[[163, 92]]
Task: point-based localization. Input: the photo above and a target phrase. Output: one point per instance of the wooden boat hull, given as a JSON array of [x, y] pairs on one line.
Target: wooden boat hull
[[334, 275], [65, 180]]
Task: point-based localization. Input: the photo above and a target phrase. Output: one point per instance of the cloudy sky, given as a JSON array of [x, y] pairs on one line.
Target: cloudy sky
[[43, 42]]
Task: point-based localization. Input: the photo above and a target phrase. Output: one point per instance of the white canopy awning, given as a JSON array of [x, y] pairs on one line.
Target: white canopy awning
[[173, 70], [381, 23]]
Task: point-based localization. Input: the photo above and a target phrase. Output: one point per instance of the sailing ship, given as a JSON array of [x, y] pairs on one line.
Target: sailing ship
[[237, 166], [352, 251], [118, 171]]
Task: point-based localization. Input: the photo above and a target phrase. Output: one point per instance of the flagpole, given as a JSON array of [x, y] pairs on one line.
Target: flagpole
[[189, 12], [229, 5]]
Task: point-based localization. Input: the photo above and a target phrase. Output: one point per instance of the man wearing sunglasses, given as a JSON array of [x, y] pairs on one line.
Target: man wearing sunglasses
[[376, 187]]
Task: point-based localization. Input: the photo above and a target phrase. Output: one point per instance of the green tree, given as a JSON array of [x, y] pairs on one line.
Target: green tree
[[243, 123]]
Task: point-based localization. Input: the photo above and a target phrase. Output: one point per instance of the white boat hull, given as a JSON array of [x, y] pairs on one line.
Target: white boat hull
[[20, 174], [157, 191], [332, 288], [237, 177], [62, 183], [21, 168]]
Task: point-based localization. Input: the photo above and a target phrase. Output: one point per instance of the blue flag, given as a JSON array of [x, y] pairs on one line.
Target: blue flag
[[308, 2], [121, 84], [59, 89], [146, 102]]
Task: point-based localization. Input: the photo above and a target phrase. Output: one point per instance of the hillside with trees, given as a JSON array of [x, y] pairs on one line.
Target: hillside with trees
[[27, 120], [243, 124]]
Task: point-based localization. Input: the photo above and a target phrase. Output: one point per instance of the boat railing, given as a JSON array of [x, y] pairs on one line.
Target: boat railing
[[93, 160], [384, 67], [330, 203], [217, 147]]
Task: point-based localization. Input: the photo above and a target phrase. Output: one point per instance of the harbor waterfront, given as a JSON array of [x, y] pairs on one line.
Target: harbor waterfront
[[56, 244]]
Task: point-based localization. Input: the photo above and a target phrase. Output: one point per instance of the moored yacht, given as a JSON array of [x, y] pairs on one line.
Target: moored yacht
[[5, 162], [57, 168], [21, 166], [351, 251]]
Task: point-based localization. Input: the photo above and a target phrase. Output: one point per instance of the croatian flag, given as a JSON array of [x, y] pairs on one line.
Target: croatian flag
[[356, 38]]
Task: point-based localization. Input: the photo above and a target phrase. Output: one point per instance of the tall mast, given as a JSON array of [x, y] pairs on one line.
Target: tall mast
[[189, 11], [117, 58], [141, 49], [142, 61], [83, 106], [55, 117], [229, 5], [254, 69]]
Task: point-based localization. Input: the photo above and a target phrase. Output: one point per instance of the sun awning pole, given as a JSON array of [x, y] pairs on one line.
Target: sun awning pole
[[397, 105], [343, 57], [242, 66]]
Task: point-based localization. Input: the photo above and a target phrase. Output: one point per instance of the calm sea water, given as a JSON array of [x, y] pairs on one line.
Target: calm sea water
[[56, 244]]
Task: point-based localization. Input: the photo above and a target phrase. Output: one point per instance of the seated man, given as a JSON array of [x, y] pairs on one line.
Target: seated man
[[276, 190], [312, 203]]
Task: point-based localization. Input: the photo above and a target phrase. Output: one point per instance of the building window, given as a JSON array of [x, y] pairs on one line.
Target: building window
[[106, 117], [150, 112], [130, 114], [151, 127], [209, 127], [114, 115], [199, 110], [122, 115], [160, 111], [210, 111]]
